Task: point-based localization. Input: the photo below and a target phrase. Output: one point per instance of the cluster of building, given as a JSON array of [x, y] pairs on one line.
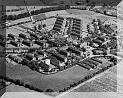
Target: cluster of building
[[103, 38], [15, 58], [22, 39], [111, 11], [58, 24], [75, 27], [57, 53], [90, 63]]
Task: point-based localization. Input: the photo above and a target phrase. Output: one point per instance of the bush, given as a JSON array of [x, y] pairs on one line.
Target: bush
[[49, 90], [27, 86]]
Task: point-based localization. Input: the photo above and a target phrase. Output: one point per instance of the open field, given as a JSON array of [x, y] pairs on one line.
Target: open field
[[105, 83], [55, 81], [86, 16]]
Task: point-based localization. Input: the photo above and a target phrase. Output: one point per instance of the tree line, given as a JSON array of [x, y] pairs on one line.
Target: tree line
[[34, 12]]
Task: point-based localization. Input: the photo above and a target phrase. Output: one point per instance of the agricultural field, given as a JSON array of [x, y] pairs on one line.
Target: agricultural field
[[105, 83], [55, 81]]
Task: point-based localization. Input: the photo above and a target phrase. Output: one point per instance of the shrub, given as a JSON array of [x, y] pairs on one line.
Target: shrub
[[49, 90]]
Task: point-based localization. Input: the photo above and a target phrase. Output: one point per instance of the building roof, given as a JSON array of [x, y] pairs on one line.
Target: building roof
[[54, 61], [40, 52], [39, 17], [57, 26], [74, 50], [15, 43], [58, 56], [76, 31], [75, 34], [29, 57], [43, 66], [22, 35], [39, 42], [11, 35], [56, 29], [76, 28], [64, 52], [34, 35]]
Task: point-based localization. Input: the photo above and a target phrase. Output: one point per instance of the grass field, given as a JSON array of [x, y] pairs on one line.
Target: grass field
[[105, 83], [55, 81]]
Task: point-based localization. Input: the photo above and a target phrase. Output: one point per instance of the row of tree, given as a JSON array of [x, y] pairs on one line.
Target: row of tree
[[35, 12], [13, 10], [20, 83]]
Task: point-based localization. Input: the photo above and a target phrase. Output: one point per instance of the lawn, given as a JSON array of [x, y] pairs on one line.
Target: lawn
[[105, 83], [56, 81]]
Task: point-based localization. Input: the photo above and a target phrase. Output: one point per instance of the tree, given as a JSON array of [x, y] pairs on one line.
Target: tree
[[104, 5], [92, 5], [49, 90], [27, 85], [17, 82], [87, 1], [44, 25]]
